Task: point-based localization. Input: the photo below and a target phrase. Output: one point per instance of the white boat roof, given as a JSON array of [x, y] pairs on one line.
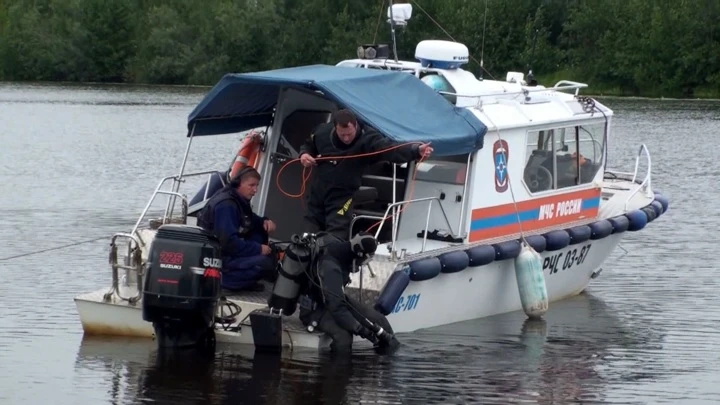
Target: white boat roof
[[503, 104]]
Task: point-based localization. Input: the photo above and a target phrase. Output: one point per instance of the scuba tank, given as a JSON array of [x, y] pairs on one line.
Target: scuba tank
[[292, 275]]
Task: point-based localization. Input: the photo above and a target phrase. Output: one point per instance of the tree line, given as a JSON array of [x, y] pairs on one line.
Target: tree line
[[667, 48]]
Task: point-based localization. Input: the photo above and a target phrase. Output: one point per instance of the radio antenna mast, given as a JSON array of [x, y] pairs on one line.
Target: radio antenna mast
[[392, 31]]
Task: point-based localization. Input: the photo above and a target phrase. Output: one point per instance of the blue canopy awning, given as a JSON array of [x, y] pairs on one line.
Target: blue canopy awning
[[397, 104]]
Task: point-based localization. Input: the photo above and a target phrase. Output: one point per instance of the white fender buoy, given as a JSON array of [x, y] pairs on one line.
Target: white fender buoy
[[531, 282]]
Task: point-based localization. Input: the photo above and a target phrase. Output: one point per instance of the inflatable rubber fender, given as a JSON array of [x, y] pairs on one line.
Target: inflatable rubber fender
[[531, 282], [452, 262], [481, 255], [619, 223], [425, 269], [579, 234], [650, 212], [638, 219], [537, 242], [556, 240], [600, 229], [392, 291], [664, 201], [657, 207], [507, 250]]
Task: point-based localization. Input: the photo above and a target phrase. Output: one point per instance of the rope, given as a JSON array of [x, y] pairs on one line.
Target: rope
[[306, 173], [588, 105], [450, 36], [512, 193], [54, 248], [382, 3]]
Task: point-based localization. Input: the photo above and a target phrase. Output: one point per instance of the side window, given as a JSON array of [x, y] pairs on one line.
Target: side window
[[591, 139], [439, 83], [563, 157], [445, 169], [539, 171]]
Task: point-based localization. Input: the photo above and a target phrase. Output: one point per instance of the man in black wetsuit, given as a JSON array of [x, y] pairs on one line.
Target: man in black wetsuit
[[334, 183], [335, 313]]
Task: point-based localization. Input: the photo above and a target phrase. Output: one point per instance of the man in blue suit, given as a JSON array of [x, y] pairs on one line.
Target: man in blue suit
[[244, 235]]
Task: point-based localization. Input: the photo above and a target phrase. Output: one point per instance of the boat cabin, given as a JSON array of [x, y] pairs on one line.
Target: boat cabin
[[509, 156]]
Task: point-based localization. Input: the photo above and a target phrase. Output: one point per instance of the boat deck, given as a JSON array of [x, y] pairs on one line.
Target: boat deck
[[290, 323], [261, 298]]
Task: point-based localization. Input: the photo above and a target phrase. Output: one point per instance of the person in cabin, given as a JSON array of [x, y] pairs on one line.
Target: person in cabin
[[330, 198], [329, 309], [246, 255]]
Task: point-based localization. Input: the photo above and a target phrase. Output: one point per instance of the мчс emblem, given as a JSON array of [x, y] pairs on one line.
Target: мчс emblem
[[500, 157]]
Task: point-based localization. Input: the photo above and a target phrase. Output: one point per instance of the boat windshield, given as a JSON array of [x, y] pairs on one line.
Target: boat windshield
[[564, 156]]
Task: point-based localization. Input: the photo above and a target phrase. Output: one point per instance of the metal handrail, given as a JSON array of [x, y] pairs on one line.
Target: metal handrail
[[524, 90], [427, 219], [646, 183], [137, 268], [142, 216], [571, 85], [157, 190], [637, 161], [372, 273]]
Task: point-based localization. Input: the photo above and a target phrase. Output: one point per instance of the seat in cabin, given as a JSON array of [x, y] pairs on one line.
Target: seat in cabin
[[365, 195]]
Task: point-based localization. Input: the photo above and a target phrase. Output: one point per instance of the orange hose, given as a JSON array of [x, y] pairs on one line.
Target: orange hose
[[306, 173]]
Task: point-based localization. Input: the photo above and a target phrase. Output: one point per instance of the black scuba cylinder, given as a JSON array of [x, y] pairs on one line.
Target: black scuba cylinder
[[292, 276]]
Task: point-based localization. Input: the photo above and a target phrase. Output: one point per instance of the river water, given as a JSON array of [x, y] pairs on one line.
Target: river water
[[79, 162]]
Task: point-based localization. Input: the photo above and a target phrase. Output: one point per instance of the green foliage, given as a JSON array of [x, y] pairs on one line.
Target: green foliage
[[632, 47]]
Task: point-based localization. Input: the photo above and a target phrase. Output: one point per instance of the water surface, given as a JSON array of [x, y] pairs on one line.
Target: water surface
[[79, 162]]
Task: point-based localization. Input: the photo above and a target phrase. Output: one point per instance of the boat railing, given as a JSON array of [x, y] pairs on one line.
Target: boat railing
[[562, 85], [569, 85], [171, 201], [362, 268], [394, 234], [431, 200], [646, 183]]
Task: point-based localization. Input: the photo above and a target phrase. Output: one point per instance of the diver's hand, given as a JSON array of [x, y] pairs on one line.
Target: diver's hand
[[363, 243], [269, 226], [307, 160], [425, 150]]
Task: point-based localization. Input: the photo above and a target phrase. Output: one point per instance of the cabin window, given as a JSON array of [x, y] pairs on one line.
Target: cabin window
[[563, 157], [446, 169], [440, 83]]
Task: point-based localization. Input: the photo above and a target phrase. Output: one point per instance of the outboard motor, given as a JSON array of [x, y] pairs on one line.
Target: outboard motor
[[182, 286], [292, 275]]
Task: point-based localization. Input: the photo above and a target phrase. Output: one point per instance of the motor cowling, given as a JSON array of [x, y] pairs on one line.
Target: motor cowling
[[182, 285], [292, 277]]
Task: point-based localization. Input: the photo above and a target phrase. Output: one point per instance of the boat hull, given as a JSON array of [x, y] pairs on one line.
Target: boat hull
[[492, 289], [448, 298], [119, 318]]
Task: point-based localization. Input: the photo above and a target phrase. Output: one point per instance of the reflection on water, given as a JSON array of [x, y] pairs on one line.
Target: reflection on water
[[568, 356], [79, 162]]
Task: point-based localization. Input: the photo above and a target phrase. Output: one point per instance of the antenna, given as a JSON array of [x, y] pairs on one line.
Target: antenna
[[530, 77], [482, 51], [392, 31], [398, 14]]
